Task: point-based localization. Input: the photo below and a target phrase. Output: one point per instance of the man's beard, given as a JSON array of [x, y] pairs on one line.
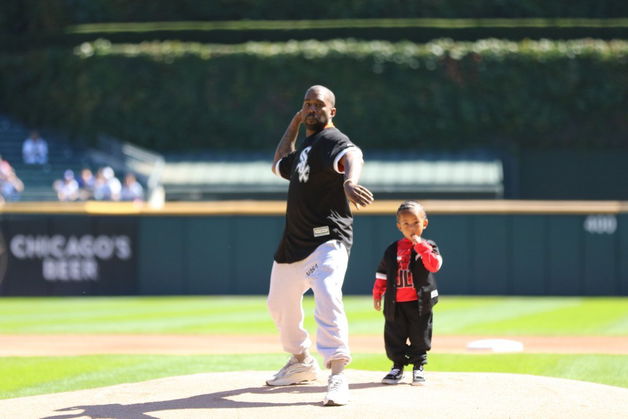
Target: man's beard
[[314, 124]]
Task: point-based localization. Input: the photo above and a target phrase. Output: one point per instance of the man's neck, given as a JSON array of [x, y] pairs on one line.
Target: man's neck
[[310, 132]]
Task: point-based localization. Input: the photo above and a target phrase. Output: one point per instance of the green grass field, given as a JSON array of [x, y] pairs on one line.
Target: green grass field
[[506, 316]]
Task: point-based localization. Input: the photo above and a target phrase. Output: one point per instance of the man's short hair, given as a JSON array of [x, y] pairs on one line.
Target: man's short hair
[[327, 92]]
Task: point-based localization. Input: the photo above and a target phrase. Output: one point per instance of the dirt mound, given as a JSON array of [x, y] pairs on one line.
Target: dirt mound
[[243, 394]]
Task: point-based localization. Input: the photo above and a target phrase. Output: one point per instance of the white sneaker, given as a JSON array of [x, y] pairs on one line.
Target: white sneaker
[[295, 372], [337, 391]]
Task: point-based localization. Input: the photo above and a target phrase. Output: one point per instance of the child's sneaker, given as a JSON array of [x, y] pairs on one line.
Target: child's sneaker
[[295, 372], [418, 378], [394, 376]]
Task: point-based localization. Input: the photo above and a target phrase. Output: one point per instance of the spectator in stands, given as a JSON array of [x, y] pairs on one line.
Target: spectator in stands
[[67, 188], [113, 182], [10, 185], [86, 184], [107, 186], [101, 189], [5, 167], [132, 190], [35, 149]]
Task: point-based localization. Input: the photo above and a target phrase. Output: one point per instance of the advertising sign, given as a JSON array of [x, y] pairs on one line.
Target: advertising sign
[[68, 255]]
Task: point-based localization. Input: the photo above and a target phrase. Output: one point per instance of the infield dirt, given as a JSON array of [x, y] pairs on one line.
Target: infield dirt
[[56, 345], [242, 394]]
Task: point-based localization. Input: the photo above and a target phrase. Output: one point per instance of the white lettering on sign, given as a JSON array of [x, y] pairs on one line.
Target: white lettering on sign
[[58, 246], [70, 269], [71, 258], [600, 224]]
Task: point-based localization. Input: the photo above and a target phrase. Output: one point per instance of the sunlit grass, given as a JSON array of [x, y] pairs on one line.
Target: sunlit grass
[[248, 315], [25, 376], [509, 316]]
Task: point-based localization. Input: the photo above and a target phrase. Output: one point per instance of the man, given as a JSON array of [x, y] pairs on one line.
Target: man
[[313, 253], [35, 149]]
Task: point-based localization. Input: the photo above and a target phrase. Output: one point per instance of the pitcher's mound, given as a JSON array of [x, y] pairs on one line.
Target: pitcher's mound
[[243, 394]]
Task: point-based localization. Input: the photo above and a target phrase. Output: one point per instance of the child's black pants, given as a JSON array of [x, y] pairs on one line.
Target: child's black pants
[[408, 326]]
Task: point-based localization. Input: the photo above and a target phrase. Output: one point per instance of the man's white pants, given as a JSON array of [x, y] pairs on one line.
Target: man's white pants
[[323, 271]]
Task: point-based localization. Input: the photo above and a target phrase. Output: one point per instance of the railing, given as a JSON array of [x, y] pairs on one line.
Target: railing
[[147, 164]]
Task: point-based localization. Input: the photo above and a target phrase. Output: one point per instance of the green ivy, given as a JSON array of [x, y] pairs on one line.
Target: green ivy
[[442, 94]]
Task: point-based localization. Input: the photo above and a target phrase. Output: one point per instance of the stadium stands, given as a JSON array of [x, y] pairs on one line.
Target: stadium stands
[[38, 179], [390, 175], [239, 175]]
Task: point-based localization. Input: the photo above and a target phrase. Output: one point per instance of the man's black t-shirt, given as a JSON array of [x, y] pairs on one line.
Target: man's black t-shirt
[[318, 209]]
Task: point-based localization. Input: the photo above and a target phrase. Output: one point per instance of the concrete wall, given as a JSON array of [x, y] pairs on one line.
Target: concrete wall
[[569, 249]]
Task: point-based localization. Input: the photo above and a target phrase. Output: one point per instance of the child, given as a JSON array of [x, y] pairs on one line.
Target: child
[[405, 272]]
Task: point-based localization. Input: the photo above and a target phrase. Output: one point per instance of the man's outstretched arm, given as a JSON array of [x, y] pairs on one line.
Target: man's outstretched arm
[[357, 194]]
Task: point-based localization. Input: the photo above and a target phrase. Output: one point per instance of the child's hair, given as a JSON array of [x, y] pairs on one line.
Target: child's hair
[[411, 206]]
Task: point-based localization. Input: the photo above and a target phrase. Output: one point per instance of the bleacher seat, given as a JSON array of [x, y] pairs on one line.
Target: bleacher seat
[[390, 175], [38, 180], [236, 175]]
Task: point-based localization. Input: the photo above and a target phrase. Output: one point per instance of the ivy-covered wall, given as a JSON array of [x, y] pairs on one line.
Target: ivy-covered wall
[[443, 94]]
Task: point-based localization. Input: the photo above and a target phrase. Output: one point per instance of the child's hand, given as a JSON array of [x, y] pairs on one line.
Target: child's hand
[[377, 303], [422, 247]]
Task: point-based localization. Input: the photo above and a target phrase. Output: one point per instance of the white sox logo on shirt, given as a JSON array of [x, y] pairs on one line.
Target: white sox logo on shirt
[[302, 168]]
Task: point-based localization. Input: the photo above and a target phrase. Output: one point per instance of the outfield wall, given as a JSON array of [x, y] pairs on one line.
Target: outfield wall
[[489, 247]]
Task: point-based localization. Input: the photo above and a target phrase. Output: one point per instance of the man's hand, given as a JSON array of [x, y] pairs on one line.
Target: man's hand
[[298, 117], [358, 195], [287, 143], [351, 164]]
